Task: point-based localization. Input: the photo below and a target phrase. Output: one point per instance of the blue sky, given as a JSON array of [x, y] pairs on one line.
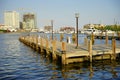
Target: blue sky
[[63, 11]]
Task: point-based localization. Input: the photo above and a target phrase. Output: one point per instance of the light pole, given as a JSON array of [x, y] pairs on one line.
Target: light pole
[[77, 16], [52, 28]]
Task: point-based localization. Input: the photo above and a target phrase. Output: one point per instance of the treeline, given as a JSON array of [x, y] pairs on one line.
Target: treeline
[[110, 27]]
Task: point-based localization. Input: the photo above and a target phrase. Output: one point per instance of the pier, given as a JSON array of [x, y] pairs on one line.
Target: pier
[[67, 52]]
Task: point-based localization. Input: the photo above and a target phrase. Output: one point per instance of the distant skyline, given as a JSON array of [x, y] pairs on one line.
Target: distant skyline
[[62, 12]]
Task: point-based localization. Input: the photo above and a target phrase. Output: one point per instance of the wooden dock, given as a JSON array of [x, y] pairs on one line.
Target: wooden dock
[[103, 36], [67, 53]]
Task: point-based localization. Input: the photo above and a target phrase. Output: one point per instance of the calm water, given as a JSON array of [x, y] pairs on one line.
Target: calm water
[[19, 62]]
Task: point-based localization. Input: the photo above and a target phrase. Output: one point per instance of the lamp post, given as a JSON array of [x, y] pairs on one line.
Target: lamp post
[[52, 28], [77, 16]]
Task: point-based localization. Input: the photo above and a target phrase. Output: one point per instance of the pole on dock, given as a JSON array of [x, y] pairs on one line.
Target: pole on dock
[[77, 16], [90, 50], [113, 49]]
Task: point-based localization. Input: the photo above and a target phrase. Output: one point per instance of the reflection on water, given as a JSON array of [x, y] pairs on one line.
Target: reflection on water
[[19, 62], [97, 71]]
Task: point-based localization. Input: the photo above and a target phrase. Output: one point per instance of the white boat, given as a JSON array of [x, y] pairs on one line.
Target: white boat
[[89, 31]]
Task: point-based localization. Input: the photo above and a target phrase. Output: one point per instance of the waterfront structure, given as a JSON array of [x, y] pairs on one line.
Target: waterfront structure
[[67, 29], [91, 26], [66, 53], [29, 21], [48, 28], [11, 18]]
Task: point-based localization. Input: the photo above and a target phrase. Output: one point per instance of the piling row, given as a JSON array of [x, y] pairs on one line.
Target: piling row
[[67, 53]]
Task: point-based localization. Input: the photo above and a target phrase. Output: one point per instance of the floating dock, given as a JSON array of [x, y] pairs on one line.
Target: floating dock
[[68, 53]]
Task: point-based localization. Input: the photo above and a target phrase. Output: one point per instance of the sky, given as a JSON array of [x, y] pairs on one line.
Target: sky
[[62, 12]]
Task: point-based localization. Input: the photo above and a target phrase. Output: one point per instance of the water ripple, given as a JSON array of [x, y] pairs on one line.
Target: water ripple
[[19, 62]]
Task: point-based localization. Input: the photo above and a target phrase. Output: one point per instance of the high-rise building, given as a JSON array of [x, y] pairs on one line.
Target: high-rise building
[[29, 20], [11, 18]]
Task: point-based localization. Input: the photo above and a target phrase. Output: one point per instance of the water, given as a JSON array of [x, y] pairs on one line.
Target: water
[[19, 62]]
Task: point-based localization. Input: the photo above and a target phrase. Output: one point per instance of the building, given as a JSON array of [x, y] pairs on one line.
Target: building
[[48, 28], [11, 18], [29, 21], [67, 29], [89, 26]]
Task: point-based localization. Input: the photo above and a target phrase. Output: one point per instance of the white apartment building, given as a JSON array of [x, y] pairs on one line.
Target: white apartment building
[[11, 18]]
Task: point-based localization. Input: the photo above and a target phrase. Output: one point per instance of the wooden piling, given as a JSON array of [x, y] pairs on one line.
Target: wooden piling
[[106, 39], [47, 47], [92, 38], [32, 42], [113, 49], [41, 45], [36, 43], [53, 50], [63, 47], [64, 59], [90, 50]]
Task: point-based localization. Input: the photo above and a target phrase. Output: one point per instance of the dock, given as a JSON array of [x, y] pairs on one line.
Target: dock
[[103, 36], [68, 53]]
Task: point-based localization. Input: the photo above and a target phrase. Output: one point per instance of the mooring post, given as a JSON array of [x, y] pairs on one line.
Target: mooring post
[[113, 49], [47, 47], [41, 45], [92, 38], [28, 40], [63, 53], [31, 41], [54, 49], [63, 47], [106, 41], [34, 40], [90, 50], [63, 59], [36, 43]]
